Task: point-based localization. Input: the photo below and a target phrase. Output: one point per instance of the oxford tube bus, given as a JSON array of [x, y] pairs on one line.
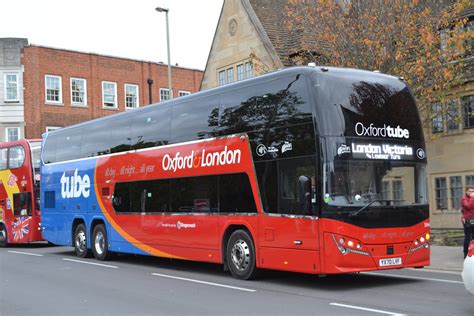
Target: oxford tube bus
[[307, 169], [19, 192]]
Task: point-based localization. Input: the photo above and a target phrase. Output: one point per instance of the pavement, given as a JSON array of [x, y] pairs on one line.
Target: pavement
[[447, 258]]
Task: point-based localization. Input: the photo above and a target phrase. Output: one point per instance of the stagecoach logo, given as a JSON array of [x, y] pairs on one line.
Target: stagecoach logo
[[75, 186], [420, 153], [178, 162], [286, 147], [343, 149], [180, 225], [385, 131]]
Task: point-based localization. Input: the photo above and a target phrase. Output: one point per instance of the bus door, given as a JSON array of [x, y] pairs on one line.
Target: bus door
[[289, 226], [16, 200], [21, 224]]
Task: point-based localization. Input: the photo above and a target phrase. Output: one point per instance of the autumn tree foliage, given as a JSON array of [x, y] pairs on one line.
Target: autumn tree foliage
[[422, 41]]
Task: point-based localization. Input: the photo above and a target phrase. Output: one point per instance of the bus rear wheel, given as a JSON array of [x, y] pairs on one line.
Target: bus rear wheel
[[240, 255], [80, 241], [100, 243], [3, 236]]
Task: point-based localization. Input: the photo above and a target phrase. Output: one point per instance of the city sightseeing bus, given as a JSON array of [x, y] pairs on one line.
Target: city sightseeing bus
[[19, 192], [308, 169]]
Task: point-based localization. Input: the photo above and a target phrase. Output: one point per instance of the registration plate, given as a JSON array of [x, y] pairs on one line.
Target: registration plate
[[390, 262]]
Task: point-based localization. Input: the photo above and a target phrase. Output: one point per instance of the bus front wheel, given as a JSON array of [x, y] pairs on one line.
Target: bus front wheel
[[100, 244], [240, 255], [80, 241], [3, 236]]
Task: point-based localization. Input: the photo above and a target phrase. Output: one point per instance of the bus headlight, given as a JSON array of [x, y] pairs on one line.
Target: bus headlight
[[420, 242], [339, 241]]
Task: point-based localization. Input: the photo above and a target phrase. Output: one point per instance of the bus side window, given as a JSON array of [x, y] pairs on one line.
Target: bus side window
[[197, 119], [121, 199], [304, 194], [3, 158], [152, 128], [97, 141], [296, 189], [22, 204], [49, 149], [16, 157], [68, 146], [268, 182], [119, 139]]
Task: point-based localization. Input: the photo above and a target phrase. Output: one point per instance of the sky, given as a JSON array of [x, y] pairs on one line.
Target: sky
[[122, 28]]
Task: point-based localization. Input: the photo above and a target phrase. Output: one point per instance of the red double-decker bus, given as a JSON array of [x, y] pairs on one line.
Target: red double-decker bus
[[19, 192], [308, 169]]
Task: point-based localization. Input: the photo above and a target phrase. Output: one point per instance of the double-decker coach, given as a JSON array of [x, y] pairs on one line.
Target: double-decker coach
[[308, 169]]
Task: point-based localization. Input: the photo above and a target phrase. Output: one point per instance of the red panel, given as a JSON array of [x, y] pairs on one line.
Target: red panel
[[375, 243], [178, 234], [289, 233], [305, 261]]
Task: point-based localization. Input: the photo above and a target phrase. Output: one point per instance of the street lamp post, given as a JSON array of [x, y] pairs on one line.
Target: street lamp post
[[168, 46]]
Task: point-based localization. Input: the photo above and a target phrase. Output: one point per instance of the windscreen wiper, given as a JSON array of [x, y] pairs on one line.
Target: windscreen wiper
[[354, 214]]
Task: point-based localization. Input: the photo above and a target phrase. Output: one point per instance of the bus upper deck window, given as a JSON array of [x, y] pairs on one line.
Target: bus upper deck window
[[3, 158], [16, 157]]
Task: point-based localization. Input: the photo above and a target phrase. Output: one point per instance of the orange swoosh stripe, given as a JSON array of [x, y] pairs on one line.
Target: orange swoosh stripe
[[127, 236]]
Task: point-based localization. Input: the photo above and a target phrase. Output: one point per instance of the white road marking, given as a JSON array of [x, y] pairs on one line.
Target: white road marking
[[434, 270], [367, 309], [25, 253], [413, 278], [204, 282], [91, 263]]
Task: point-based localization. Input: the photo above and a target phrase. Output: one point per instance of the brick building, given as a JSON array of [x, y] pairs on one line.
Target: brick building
[[62, 87]]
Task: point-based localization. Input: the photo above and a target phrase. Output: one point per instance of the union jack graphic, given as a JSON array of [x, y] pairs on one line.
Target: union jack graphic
[[20, 227]]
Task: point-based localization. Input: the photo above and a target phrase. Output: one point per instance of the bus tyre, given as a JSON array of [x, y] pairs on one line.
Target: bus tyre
[[80, 241], [100, 244], [3, 236], [240, 255]]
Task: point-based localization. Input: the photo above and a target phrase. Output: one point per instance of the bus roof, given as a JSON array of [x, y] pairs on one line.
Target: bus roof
[[306, 70], [22, 141]]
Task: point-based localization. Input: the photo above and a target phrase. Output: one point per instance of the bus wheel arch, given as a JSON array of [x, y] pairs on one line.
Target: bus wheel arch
[[100, 241], [239, 252], [3, 236], [79, 240]]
